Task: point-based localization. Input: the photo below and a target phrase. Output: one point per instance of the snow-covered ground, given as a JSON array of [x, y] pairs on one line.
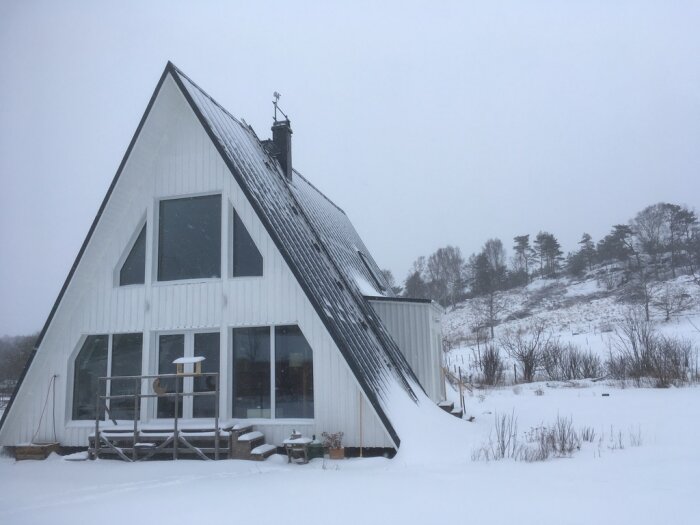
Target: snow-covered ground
[[642, 467], [655, 482]]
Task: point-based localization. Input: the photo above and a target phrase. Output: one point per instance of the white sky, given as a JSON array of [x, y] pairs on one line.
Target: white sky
[[430, 123]]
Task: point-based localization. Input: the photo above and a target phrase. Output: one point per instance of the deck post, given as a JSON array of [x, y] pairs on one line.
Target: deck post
[[216, 418], [176, 436], [137, 404], [97, 419]]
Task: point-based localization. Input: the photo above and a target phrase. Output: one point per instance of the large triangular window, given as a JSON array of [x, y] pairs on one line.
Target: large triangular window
[[247, 260], [133, 271]]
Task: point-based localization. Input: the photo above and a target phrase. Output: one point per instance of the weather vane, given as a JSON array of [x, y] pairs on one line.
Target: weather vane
[[275, 103]]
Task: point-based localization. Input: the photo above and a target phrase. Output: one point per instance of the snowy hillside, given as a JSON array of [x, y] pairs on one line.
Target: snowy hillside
[[579, 311]]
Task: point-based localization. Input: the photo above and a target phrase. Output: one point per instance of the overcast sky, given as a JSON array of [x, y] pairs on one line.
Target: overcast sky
[[429, 123]]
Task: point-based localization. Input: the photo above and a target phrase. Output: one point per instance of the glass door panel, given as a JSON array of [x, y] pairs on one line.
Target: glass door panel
[[251, 372], [170, 347], [126, 361], [206, 345], [294, 374]]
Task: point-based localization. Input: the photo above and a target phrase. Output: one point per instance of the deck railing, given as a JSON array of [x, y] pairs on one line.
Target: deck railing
[[103, 401]]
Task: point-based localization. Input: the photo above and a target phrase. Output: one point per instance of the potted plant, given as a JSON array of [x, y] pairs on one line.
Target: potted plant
[[334, 443]]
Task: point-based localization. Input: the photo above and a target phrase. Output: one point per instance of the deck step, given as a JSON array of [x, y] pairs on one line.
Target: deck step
[[242, 448], [447, 406], [240, 430], [251, 436], [262, 452]]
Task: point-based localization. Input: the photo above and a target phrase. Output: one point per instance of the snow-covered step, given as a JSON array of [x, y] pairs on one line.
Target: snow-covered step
[[262, 452], [242, 448], [239, 429], [250, 436], [447, 406]]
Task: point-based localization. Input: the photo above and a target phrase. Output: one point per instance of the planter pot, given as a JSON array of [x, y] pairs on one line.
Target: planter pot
[[336, 453]]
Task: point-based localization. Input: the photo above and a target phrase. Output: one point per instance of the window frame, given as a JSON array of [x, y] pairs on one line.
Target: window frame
[[187, 382], [230, 247], [273, 419], [70, 391], [155, 248], [143, 222]]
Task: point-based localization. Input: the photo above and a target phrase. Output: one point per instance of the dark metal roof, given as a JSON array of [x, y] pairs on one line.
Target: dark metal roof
[[338, 234]]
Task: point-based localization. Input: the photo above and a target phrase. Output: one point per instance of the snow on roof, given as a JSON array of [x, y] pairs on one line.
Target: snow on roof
[[363, 285], [314, 238]]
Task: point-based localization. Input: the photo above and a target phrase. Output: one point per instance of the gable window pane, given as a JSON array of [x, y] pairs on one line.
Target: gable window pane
[[170, 347], [126, 361], [247, 260], [251, 372], [90, 365], [206, 346], [189, 238], [133, 271], [294, 374]]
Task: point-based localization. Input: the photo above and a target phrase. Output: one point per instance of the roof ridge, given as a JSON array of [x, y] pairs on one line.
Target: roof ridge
[[177, 70]]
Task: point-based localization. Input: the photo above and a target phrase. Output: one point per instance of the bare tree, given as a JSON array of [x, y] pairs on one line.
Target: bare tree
[[488, 310], [445, 270], [672, 300], [526, 347]]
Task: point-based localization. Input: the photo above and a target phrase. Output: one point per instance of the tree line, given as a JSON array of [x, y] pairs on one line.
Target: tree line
[[14, 352], [661, 241]]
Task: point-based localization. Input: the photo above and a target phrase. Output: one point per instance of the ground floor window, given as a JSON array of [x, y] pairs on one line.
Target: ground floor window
[[272, 373], [105, 355], [174, 346]]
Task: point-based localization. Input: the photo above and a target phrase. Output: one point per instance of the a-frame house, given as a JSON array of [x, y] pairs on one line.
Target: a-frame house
[[209, 244]]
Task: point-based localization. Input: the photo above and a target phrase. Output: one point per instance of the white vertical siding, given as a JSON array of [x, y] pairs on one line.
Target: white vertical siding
[[415, 327], [174, 157]]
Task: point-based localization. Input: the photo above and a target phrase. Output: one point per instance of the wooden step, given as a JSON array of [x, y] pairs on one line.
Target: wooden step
[[262, 452], [240, 429], [447, 406], [242, 447]]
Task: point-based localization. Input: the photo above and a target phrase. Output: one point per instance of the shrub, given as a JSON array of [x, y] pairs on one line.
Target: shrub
[[490, 365], [526, 347], [641, 353], [564, 362]]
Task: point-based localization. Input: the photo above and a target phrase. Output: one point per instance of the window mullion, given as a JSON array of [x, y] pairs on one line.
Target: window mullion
[[108, 386], [273, 398]]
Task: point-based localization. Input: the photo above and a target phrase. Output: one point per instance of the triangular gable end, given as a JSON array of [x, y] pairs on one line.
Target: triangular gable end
[[332, 295]]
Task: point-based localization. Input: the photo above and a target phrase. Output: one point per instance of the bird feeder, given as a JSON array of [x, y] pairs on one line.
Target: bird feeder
[[180, 362]]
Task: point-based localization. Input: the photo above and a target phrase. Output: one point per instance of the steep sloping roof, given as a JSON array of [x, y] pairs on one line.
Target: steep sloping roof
[[316, 250], [313, 235], [339, 235]]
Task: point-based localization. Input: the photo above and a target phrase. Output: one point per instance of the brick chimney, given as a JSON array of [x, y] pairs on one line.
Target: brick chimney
[[282, 140]]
